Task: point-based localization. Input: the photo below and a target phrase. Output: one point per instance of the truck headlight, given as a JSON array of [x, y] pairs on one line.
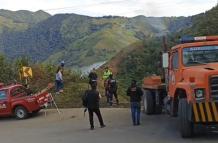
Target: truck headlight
[[199, 93]]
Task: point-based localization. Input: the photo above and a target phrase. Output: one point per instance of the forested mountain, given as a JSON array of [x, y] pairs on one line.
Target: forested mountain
[[204, 24], [20, 20], [83, 40], [79, 40], [24, 16]]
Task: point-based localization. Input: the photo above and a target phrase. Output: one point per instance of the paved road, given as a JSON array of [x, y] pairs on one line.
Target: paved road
[[72, 127]]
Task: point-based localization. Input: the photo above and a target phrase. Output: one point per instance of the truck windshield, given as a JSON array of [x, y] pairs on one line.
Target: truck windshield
[[200, 55]]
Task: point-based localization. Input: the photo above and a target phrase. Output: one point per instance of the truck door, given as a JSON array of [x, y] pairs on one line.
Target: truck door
[[4, 103], [174, 72]]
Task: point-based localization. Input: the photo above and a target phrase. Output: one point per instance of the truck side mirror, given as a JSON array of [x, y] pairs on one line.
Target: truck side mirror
[[165, 60]]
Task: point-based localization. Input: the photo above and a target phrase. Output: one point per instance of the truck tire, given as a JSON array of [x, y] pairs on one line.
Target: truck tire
[[158, 109], [20, 113], [186, 126], [149, 103], [173, 109]]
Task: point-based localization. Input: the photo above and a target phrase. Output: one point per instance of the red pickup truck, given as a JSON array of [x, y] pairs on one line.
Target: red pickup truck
[[15, 100]]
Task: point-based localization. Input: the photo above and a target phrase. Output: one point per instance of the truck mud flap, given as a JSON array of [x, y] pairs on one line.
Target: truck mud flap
[[205, 112]]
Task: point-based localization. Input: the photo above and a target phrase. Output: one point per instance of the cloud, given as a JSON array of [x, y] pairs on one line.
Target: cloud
[[114, 7]]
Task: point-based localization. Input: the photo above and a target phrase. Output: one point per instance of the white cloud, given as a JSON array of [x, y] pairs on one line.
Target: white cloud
[[114, 7]]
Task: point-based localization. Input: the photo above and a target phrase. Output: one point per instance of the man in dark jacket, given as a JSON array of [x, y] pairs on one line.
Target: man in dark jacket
[[135, 94], [93, 77], [91, 101], [112, 90]]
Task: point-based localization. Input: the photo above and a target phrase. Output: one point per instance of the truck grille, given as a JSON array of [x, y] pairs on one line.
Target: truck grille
[[214, 87]]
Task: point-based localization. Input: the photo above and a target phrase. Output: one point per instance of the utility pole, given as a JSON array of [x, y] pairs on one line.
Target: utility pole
[[165, 44], [164, 70]]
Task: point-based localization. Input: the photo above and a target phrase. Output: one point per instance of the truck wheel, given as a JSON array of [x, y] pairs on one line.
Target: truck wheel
[[173, 108], [158, 109], [186, 126], [20, 112], [148, 102]]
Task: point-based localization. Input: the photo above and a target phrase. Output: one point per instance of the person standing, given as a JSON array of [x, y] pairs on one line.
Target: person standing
[[112, 90], [59, 80], [135, 93], [93, 77], [106, 73], [105, 77], [91, 101]]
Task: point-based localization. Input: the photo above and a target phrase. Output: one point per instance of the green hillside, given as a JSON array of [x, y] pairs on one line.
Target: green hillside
[[15, 21], [80, 40], [24, 16], [204, 24], [9, 24], [99, 40]]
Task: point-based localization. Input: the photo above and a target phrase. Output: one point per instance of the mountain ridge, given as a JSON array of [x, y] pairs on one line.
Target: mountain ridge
[[25, 16], [81, 40]]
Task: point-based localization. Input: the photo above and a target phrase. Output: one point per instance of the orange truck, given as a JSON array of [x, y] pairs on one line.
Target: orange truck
[[190, 89]]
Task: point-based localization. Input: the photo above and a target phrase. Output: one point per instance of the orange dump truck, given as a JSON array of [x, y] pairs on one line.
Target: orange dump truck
[[190, 90]]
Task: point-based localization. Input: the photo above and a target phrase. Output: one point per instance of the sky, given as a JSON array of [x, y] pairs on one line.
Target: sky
[[128, 8]]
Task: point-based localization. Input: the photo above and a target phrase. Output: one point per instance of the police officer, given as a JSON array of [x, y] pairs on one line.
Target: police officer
[[106, 73], [112, 90]]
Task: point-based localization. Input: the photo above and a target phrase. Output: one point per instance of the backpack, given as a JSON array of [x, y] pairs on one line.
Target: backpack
[[84, 99]]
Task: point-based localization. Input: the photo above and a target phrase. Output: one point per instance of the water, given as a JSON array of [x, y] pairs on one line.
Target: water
[[86, 70]]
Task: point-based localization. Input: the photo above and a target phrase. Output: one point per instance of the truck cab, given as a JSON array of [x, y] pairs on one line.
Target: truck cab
[[191, 73], [16, 100], [192, 68]]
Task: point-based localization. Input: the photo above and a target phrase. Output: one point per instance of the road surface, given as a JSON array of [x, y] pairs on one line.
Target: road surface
[[72, 127]]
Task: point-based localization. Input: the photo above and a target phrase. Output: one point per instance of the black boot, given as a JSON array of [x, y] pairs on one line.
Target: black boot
[[102, 126], [117, 101]]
